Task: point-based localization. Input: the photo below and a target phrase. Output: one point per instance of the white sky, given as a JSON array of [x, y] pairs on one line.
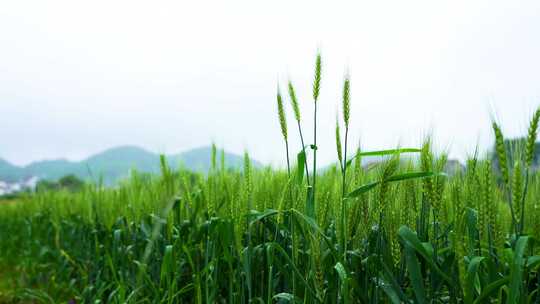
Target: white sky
[[78, 77]]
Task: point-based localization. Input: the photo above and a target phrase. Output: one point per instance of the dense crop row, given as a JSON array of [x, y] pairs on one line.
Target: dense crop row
[[395, 231]]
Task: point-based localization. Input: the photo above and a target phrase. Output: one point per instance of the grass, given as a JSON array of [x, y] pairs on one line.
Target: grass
[[399, 231]]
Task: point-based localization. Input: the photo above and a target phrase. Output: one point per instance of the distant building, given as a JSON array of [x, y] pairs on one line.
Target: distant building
[[29, 183], [4, 189]]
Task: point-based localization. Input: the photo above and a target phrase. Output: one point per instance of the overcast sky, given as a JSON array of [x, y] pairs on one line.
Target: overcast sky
[[78, 77]]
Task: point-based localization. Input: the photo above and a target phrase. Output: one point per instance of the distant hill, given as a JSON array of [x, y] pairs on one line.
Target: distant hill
[[115, 164], [9, 172]]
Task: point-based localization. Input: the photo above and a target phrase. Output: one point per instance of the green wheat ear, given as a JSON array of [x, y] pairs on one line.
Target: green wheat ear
[[338, 145], [531, 138], [294, 101], [317, 80], [358, 165], [346, 101], [222, 160], [390, 167], [488, 196], [247, 173], [281, 114], [214, 157], [517, 189], [501, 152], [426, 164]]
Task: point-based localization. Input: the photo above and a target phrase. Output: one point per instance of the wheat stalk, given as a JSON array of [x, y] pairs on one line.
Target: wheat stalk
[[338, 146], [281, 116], [501, 152], [346, 101], [316, 91], [531, 138], [296, 110], [294, 101], [317, 78], [517, 192]]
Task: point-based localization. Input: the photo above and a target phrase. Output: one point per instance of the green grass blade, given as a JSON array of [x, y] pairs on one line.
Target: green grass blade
[[344, 282], [411, 239], [516, 271], [300, 167], [384, 153], [417, 281], [491, 289]]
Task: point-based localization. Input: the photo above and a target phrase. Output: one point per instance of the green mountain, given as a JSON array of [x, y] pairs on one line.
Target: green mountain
[[9, 172], [115, 164]]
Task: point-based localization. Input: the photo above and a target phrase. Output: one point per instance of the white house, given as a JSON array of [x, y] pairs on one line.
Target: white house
[[10, 188]]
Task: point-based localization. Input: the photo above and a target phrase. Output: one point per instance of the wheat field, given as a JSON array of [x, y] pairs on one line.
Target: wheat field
[[399, 230]]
